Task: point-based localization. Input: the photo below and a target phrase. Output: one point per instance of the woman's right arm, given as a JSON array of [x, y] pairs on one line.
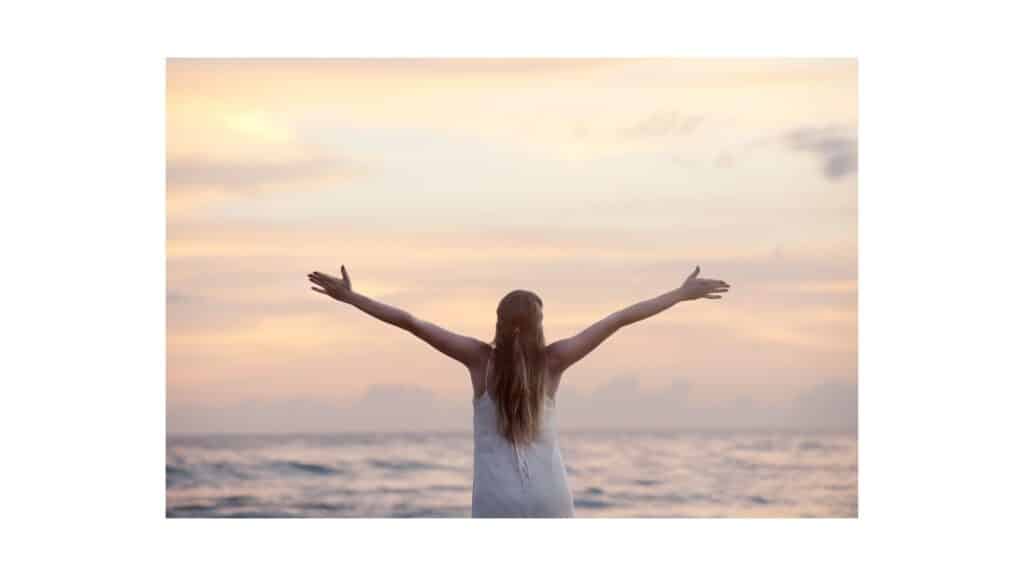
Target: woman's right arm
[[466, 350], [565, 353]]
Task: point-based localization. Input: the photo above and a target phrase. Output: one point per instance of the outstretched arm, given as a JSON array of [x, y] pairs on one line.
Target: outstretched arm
[[565, 353], [466, 350]]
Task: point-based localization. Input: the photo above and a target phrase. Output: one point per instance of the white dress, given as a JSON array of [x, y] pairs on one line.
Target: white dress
[[517, 481]]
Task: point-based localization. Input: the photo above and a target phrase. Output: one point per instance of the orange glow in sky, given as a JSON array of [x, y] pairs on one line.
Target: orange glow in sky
[[444, 184]]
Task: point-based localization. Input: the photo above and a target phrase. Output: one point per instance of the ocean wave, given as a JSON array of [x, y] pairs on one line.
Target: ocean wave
[[178, 476], [669, 498], [815, 446], [591, 503], [177, 471], [236, 501], [449, 488], [260, 514], [227, 470], [402, 465], [204, 473], [403, 491], [305, 468], [325, 507], [191, 510], [417, 510], [741, 464], [766, 445]]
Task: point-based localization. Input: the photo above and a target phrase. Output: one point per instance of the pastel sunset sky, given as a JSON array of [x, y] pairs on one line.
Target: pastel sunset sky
[[444, 184]]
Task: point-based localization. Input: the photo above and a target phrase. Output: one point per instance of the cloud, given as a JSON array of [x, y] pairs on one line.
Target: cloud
[[177, 297], [381, 408], [731, 156], [620, 404], [250, 176], [195, 183], [836, 148], [829, 405], [660, 125]]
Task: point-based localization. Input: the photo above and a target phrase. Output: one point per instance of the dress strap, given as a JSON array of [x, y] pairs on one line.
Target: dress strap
[[487, 370]]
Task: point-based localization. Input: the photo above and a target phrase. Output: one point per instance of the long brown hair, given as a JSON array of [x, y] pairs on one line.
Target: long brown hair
[[520, 365]]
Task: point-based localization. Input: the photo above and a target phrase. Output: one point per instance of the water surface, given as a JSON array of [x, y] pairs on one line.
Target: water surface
[[612, 474]]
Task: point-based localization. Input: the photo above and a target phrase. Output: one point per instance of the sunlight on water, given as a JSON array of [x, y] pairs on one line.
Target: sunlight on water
[[612, 474]]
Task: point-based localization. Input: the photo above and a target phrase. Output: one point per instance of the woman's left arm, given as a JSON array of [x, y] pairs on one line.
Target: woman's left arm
[[464, 349]]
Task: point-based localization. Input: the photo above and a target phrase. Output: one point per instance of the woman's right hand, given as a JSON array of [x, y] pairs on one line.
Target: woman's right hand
[[694, 287], [338, 288]]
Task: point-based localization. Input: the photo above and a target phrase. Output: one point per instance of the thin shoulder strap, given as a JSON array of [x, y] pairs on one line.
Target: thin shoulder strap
[[487, 371]]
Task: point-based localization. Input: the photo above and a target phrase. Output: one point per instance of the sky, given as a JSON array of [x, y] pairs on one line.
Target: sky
[[442, 185]]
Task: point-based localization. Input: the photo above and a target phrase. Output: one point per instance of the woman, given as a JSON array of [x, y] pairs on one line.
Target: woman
[[517, 464]]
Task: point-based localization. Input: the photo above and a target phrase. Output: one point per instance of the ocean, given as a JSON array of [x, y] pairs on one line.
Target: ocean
[[637, 474]]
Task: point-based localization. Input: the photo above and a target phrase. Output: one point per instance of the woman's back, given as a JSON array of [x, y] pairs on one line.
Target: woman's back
[[517, 481]]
